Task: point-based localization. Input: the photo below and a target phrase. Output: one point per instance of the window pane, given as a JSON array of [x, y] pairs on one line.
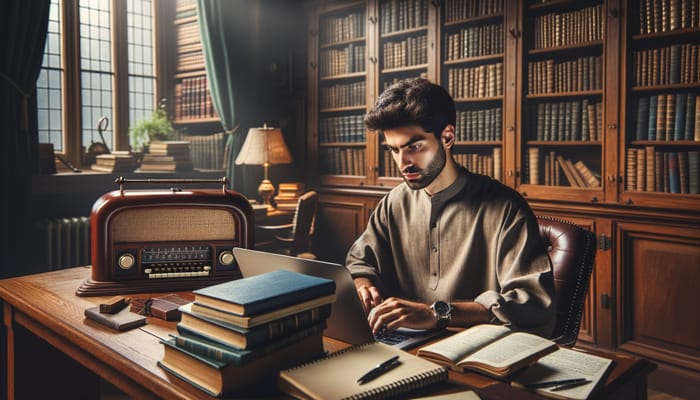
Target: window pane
[[49, 86], [96, 75], [140, 49]]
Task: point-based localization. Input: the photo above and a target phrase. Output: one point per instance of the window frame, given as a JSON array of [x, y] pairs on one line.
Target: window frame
[[70, 60]]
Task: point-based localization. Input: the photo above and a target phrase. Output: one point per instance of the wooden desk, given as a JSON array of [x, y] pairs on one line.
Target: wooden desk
[[75, 352]]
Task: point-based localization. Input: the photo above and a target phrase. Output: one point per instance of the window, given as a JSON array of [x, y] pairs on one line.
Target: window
[[99, 63]]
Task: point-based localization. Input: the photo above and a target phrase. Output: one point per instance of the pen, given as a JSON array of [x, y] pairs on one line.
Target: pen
[[559, 382], [379, 369], [570, 385]]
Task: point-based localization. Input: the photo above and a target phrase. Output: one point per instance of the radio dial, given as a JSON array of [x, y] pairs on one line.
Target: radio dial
[[226, 257], [126, 261]]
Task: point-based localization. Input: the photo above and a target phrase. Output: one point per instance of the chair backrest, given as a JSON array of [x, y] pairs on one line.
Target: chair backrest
[[304, 222], [572, 251]]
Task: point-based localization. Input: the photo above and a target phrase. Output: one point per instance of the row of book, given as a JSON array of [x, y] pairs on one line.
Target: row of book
[[650, 170], [169, 156], [116, 161], [672, 116], [549, 76], [484, 164], [342, 161], [288, 194], [484, 80], [340, 29], [474, 41], [673, 64], [459, 10], [245, 331], [479, 125], [577, 120], [385, 83], [399, 15], [547, 169], [405, 53], [207, 151], [343, 95], [348, 60], [192, 99], [657, 16], [347, 128], [569, 28]]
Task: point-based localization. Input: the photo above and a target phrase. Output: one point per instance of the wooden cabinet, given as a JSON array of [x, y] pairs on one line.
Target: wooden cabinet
[[554, 98]]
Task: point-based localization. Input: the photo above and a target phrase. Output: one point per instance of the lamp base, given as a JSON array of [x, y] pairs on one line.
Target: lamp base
[[266, 190]]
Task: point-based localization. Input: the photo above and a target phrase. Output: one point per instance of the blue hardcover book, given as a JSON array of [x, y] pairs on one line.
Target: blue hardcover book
[[679, 117], [653, 106], [643, 118], [690, 116], [674, 179], [265, 292]]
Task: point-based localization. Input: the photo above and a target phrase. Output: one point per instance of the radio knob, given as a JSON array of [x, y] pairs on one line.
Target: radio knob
[[226, 258], [126, 261]]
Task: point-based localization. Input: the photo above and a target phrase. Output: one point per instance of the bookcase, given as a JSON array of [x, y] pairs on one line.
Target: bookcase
[[555, 99], [192, 100]]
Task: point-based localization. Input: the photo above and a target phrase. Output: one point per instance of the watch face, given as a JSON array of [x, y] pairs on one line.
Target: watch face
[[442, 308]]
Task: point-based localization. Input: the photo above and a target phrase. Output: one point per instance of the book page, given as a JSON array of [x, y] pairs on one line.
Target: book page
[[566, 364], [466, 342], [509, 350]]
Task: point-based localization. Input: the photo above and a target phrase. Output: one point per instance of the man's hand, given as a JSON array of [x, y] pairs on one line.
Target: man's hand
[[368, 293], [395, 313]]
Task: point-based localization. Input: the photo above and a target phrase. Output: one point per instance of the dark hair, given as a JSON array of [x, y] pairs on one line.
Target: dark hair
[[412, 102]]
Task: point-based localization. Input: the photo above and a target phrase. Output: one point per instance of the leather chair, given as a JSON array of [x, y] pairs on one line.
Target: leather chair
[[572, 251], [294, 239]]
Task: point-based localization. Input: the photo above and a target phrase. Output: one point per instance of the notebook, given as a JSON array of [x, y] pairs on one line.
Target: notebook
[[347, 322], [335, 376]]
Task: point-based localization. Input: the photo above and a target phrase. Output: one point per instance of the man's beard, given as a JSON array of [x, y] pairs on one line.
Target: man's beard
[[428, 174]]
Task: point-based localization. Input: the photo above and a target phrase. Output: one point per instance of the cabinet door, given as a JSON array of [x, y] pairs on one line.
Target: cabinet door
[[661, 147], [341, 219], [472, 48], [338, 77], [563, 100], [658, 278]]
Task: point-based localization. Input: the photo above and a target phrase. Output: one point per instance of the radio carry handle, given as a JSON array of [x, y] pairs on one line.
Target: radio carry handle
[[121, 181]]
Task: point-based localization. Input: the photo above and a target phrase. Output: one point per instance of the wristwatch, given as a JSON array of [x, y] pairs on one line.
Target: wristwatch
[[442, 311]]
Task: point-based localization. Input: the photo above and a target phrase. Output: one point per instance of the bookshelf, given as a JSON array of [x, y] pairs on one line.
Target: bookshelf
[[552, 88], [193, 103], [662, 79], [471, 68]]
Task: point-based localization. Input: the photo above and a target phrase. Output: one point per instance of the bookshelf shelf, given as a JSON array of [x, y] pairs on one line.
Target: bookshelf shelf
[[581, 93], [567, 143], [490, 57], [568, 48], [344, 76], [404, 32], [343, 144], [405, 69], [478, 19], [339, 43]]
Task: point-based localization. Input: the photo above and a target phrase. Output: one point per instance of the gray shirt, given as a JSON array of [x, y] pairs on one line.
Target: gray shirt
[[477, 240]]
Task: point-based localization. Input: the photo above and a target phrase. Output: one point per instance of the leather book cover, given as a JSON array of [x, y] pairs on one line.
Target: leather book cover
[[121, 321]]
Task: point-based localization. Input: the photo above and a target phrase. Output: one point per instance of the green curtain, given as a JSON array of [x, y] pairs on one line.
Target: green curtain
[[23, 26], [217, 25]]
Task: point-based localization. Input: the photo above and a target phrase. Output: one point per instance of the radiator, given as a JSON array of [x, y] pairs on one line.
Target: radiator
[[65, 242]]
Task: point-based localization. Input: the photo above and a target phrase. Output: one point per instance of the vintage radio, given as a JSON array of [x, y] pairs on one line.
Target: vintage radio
[[155, 240]]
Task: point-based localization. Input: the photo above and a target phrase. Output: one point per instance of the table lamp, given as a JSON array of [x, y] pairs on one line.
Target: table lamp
[[264, 146]]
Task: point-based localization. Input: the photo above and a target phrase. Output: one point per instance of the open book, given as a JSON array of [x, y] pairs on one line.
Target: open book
[[561, 365], [491, 349]]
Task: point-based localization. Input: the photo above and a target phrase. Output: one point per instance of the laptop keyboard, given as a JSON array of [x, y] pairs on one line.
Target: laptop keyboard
[[391, 338]]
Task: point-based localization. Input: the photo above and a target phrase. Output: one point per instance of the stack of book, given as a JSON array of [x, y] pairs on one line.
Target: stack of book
[[116, 161], [245, 331], [288, 195], [167, 156]]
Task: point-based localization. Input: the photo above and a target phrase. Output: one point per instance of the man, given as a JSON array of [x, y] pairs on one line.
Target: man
[[447, 247]]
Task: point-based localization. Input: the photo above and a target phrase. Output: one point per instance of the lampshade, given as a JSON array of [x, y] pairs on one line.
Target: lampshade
[[264, 146]]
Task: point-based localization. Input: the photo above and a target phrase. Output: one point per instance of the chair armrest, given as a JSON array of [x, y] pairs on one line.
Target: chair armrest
[[275, 227]]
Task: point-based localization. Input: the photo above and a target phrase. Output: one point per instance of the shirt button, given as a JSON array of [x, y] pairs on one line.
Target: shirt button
[[434, 249], [434, 274]]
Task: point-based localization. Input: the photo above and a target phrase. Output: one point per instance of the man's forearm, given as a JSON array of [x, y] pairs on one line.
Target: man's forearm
[[468, 313]]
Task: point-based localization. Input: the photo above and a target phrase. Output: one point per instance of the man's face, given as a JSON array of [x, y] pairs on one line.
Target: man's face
[[418, 154]]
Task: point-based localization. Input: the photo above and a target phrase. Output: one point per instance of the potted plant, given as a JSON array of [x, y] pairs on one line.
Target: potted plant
[[156, 128]]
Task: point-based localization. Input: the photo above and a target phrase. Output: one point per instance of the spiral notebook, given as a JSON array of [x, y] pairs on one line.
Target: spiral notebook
[[335, 376]]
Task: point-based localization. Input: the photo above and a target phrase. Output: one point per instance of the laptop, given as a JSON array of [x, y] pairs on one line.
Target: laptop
[[347, 321]]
